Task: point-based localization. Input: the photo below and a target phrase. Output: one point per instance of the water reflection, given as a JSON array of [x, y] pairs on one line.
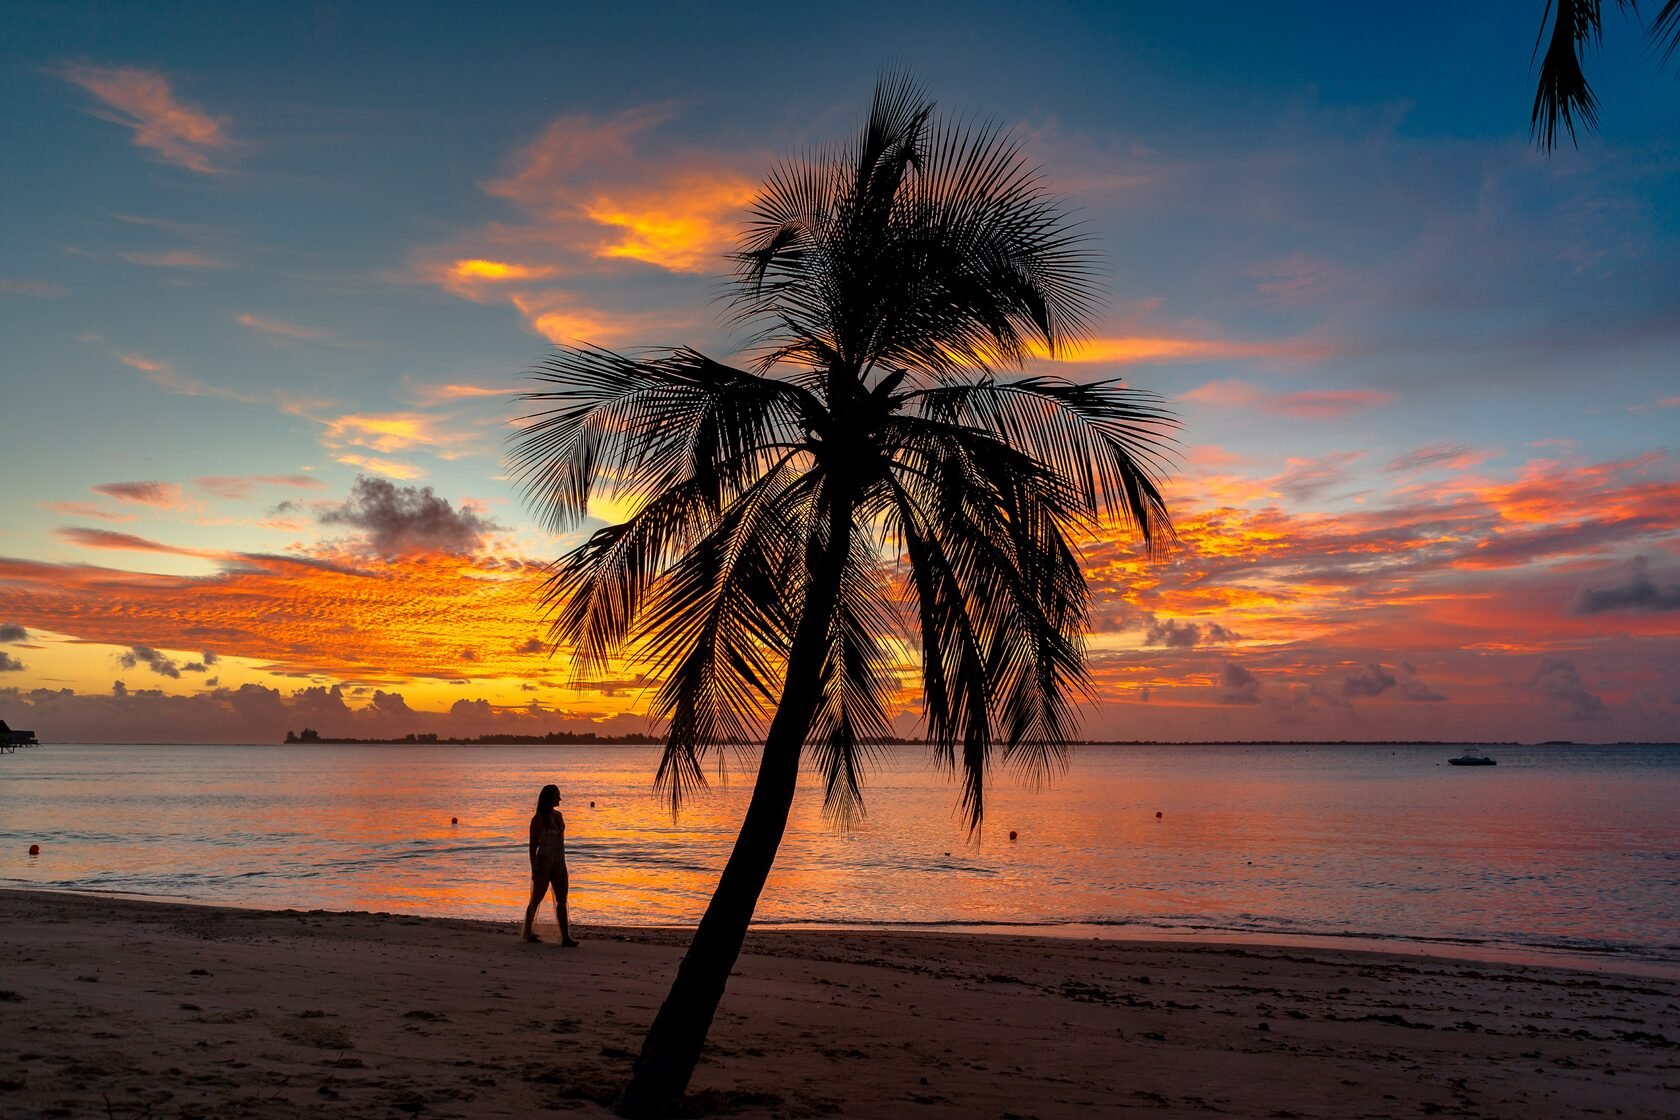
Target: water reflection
[[1556, 845]]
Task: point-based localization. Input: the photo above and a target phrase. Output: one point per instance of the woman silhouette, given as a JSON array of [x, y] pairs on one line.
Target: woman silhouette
[[548, 864]]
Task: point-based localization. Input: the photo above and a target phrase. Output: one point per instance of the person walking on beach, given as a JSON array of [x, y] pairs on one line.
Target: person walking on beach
[[548, 864]]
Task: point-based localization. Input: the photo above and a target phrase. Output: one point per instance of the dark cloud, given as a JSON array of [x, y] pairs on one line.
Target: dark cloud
[[404, 520], [160, 664], [1237, 685], [1414, 689], [1638, 593], [531, 645], [1184, 635], [1374, 681], [210, 658], [9, 664], [469, 655], [12, 632], [1560, 682], [254, 713]]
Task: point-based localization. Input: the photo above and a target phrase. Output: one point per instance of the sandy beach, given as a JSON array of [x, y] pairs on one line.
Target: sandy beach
[[130, 1008]]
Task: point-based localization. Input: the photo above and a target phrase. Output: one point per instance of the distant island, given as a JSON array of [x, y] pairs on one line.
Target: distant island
[[567, 738], [592, 739]]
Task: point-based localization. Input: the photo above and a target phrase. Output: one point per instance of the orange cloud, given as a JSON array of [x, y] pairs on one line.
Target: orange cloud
[[390, 468], [1132, 349], [685, 225], [105, 539], [142, 100], [592, 199], [340, 615]]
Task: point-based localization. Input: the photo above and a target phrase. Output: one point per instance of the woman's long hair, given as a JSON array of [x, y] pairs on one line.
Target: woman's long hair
[[547, 800]]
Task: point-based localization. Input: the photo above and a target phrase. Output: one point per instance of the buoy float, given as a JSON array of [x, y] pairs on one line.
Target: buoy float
[[454, 820], [1157, 814], [1012, 834], [34, 849], [592, 804]]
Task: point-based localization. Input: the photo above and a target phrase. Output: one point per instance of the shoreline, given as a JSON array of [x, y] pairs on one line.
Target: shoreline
[[1466, 950], [117, 1006]]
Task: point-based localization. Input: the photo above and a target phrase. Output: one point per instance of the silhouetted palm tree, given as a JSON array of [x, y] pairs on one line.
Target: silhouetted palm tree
[[1563, 93], [870, 469]]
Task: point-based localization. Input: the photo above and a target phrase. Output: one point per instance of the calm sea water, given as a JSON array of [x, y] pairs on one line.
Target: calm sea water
[[1560, 848]]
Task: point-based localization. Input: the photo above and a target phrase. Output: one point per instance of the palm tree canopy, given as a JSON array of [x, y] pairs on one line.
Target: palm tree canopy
[[1563, 93], [885, 285]]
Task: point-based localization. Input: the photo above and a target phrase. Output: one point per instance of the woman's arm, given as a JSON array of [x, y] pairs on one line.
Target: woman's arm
[[534, 835]]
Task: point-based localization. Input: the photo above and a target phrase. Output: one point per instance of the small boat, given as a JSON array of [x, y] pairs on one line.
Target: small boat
[[1471, 758]]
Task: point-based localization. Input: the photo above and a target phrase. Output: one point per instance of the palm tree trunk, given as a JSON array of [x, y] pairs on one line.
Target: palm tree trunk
[[672, 1047]]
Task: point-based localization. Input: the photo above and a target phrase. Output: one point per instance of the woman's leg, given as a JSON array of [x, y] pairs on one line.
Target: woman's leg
[[539, 887], [562, 887]]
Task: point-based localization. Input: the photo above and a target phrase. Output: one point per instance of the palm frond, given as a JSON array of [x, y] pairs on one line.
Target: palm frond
[[857, 683], [1110, 443], [1667, 27], [719, 625], [633, 427]]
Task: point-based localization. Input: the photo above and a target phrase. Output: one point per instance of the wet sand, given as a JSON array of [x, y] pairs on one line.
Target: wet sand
[[145, 1009]]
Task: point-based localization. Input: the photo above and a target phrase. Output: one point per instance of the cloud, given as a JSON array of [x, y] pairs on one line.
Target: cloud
[[1374, 681], [1327, 404], [1638, 593], [1442, 457], [86, 509], [143, 100], [583, 175], [1129, 349], [258, 713], [104, 538], [1560, 683], [1306, 479], [405, 520], [165, 376], [531, 645], [145, 655], [174, 258], [265, 325], [390, 468], [164, 495], [10, 664], [243, 486], [593, 202], [1230, 393], [12, 632], [1310, 404], [1297, 279], [443, 394], [391, 431], [37, 289], [1237, 685], [1175, 634]]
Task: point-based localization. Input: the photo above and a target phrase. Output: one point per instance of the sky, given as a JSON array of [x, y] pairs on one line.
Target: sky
[[270, 276]]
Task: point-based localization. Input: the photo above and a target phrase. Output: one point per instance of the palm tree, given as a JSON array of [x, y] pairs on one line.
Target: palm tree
[[1563, 94], [869, 469]]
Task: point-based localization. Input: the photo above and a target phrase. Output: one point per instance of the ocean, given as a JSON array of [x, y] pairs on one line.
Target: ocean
[[1557, 850]]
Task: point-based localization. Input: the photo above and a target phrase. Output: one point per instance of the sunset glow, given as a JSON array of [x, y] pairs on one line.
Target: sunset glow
[[262, 341]]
